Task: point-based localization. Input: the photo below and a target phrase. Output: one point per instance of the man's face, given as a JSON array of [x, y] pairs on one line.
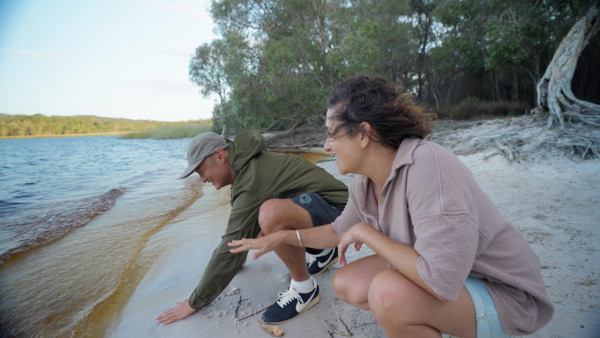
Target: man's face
[[212, 170]]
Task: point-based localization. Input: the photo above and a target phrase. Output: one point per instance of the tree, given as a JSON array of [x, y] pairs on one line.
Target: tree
[[207, 70], [554, 88], [275, 61]]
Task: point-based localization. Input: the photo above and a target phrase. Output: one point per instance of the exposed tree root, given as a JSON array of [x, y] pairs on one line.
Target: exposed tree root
[[518, 138], [515, 138], [554, 88]]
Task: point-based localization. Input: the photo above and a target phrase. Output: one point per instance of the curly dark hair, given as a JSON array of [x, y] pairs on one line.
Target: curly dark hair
[[389, 110]]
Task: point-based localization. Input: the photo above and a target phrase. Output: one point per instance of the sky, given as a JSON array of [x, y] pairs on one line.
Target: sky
[[110, 58]]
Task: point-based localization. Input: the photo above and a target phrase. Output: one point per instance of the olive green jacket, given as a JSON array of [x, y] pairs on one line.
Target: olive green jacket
[[259, 175]]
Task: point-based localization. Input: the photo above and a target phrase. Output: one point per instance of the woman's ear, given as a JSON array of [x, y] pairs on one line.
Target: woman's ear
[[365, 134]]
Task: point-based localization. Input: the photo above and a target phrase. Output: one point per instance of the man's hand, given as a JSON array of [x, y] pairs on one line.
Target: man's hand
[[181, 311]]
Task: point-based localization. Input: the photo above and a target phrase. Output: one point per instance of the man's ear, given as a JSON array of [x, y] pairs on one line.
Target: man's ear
[[222, 156]]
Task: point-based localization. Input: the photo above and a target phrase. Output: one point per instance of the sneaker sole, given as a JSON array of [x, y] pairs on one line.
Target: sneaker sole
[[311, 304], [333, 261]]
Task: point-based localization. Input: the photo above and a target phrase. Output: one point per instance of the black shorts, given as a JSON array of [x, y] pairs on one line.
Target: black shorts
[[321, 212]]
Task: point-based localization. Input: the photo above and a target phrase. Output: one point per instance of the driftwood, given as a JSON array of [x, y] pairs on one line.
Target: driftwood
[[272, 137], [554, 88], [517, 138], [271, 329], [304, 136]]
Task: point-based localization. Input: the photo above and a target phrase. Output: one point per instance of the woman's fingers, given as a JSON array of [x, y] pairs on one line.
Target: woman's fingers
[[244, 244], [342, 254], [259, 253], [262, 244], [240, 245], [237, 242]]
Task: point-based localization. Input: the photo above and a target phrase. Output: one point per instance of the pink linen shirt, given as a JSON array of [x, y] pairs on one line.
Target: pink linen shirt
[[431, 201]]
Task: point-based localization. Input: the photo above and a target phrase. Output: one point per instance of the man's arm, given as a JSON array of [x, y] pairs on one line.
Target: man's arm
[[219, 272], [223, 266]]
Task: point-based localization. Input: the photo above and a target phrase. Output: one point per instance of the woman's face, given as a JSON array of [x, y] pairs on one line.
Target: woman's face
[[345, 147]]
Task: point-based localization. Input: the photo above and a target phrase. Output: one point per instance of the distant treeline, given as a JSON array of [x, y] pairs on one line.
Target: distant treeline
[[171, 131], [40, 125]]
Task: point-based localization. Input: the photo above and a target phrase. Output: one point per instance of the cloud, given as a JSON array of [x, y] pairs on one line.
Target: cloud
[[44, 55]]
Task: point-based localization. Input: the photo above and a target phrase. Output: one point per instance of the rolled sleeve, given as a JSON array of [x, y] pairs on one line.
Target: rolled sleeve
[[447, 246]]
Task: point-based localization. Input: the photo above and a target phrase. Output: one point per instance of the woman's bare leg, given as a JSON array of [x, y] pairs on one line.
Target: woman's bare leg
[[351, 283], [402, 308]]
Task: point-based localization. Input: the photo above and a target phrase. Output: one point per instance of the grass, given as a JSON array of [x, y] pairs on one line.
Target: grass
[[170, 132]]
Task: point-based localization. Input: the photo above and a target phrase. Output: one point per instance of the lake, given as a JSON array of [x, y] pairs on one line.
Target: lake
[[82, 219], [75, 215]]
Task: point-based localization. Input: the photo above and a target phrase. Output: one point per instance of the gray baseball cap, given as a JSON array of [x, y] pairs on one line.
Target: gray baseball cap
[[201, 146]]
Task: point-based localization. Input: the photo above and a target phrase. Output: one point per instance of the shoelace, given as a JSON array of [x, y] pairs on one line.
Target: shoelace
[[287, 296]]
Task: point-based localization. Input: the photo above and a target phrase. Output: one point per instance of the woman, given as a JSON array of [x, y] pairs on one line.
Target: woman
[[446, 260]]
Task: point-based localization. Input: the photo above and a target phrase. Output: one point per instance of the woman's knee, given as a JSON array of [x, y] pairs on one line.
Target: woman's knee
[[392, 293], [340, 284], [347, 289]]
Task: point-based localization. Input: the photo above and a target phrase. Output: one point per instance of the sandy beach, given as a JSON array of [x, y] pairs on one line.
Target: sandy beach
[[554, 202]]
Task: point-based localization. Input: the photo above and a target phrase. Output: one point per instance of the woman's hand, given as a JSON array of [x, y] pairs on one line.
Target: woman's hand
[[261, 244], [351, 236]]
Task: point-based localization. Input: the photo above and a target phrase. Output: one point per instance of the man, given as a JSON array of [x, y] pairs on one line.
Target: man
[[270, 192]]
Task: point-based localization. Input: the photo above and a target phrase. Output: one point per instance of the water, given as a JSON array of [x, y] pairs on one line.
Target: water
[[83, 219], [50, 186], [75, 214]]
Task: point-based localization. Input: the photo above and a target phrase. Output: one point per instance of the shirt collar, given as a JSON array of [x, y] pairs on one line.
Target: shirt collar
[[403, 157]]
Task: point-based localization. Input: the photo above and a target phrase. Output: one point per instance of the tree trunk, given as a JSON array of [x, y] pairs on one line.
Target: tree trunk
[[554, 88], [514, 94]]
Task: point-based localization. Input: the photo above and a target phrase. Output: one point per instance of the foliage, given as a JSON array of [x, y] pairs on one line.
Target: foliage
[[275, 61], [180, 130], [40, 125]]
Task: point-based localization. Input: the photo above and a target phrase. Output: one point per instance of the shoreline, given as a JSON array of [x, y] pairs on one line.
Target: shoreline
[[65, 135]]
